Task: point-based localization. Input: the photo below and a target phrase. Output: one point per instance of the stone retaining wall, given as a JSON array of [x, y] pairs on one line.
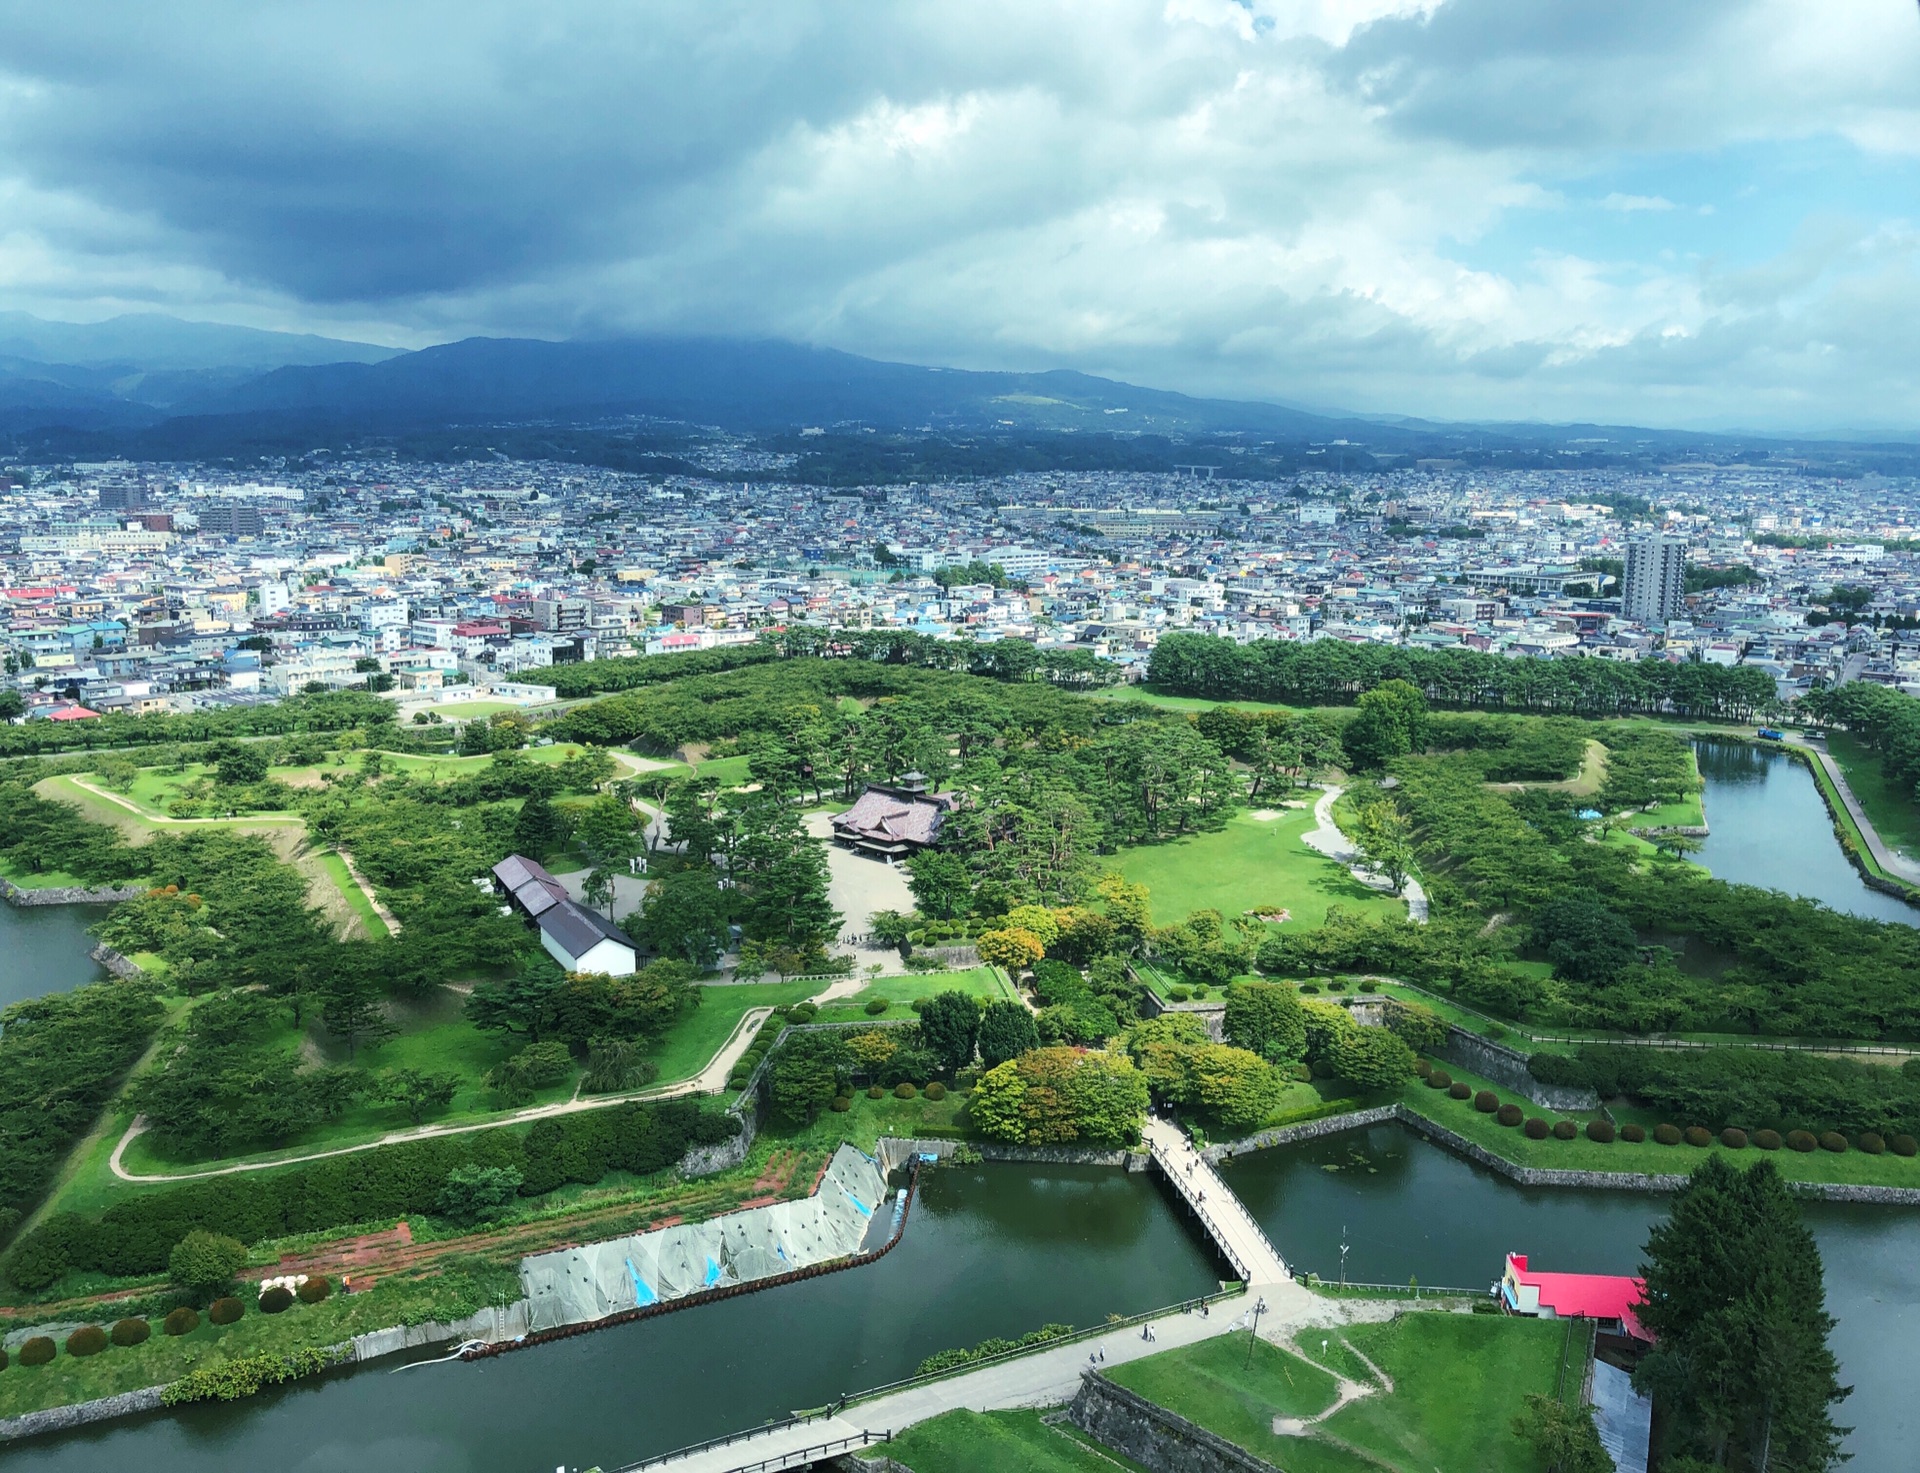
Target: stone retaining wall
[[1537, 1176], [1508, 1067], [105, 956], [894, 1152], [62, 1419], [504, 1324], [1153, 1436], [67, 895]]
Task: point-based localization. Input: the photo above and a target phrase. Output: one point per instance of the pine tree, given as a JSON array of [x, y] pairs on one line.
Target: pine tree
[[1736, 1301]]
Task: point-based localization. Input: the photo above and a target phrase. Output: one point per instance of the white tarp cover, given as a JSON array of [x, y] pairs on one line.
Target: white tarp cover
[[574, 1286]]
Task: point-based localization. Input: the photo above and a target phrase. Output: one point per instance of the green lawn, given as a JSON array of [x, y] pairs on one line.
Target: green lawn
[[1890, 810], [1250, 863], [1146, 695], [356, 898], [1005, 1442], [1232, 1385], [729, 772], [1458, 1382], [986, 983], [53, 880], [697, 1036], [868, 1120]]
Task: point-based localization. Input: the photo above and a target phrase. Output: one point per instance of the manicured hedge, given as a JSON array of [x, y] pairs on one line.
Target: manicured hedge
[[1459, 1090], [1801, 1140], [1832, 1140], [226, 1311], [904, 1090], [1565, 1130], [1600, 1131], [1768, 1140], [841, 1104], [1734, 1138], [1872, 1142], [276, 1300], [181, 1321], [1699, 1136], [87, 1340], [1486, 1102], [135, 1236], [1439, 1079], [131, 1332], [1667, 1135], [1509, 1115], [38, 1351], [1536, 1128], [1633, 1135], [1903, 1145], [935, 1090]]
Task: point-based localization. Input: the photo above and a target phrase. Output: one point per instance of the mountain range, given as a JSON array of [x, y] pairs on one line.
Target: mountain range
[[158, 387]]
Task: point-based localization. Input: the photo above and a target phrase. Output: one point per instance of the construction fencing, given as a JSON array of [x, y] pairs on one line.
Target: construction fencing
[[573, 1286]]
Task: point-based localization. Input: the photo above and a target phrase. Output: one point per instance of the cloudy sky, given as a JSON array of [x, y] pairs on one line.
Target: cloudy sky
[[1704, 212]]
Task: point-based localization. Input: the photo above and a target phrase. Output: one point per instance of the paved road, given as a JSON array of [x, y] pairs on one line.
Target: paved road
[[1045, 1378], [1897, 865]]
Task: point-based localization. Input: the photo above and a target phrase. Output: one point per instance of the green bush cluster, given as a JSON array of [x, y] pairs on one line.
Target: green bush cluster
[[1667, 1135], [1600, 1131], [226, 1311], [1439, 1079], [276, 1300], [1801, 1140], [38, 1351], [182, 1321], [1768, 1140], [1633, 1135], [876, 1006], [840, 1104], [1459, 1090], [904, 1091], [87, 1340], [1698, 1136], [1734, 1138], [315, 1289], [935, 1090], [1832, 1140], [1486, 1102], [1536, 1128], [1565, 1130], [130, 1332], [1509, 1114], [241, 1377], [137, 1236], [947, 1360]]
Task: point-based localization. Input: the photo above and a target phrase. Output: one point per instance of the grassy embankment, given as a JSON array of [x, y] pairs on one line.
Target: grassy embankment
[[1891, 811], [1006, 1442], [1458, 1381]]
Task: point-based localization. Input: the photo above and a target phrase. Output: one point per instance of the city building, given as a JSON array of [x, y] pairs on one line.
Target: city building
[[1656, 579]]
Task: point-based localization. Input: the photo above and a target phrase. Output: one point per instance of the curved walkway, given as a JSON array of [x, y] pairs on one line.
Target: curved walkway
[[1327, 839], [709, 1080]]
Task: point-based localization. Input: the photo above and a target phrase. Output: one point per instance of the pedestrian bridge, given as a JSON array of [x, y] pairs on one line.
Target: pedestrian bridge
[[1245, 1245]]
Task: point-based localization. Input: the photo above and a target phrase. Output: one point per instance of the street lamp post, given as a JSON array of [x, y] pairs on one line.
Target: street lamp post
[[1254, 1334]]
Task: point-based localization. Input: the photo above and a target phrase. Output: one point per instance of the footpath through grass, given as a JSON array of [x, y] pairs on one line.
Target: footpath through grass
[[1232, 1385], [1252, 863], [900, 993]]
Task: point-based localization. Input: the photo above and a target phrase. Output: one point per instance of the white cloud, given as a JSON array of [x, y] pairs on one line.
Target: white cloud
[[1295, 198]]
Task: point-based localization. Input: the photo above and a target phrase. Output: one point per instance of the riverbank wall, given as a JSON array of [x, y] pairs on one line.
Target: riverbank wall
[[67, 894], [1531, 1176]]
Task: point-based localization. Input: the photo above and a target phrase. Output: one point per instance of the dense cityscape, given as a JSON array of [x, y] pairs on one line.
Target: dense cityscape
[[139, 587]]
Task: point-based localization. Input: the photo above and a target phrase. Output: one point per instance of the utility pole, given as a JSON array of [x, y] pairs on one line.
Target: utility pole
[[1254, 1333], [1343, 1257]]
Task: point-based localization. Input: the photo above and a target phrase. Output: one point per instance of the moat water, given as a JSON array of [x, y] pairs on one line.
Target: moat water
[[43, 949], [1769, 826]]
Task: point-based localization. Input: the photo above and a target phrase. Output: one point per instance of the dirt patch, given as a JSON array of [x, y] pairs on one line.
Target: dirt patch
[[1264, 815]]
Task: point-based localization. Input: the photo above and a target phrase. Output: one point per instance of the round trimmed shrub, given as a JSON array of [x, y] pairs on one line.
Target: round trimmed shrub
[[181, 1321], [1872, 1142], [225, 1311], [130, 1332], [38, 1351], [1336, 986], [877, 1006], [801, 1012], [1667, 1135], [1698, 1136], [1459, 1090], [904, 1091], [1903, 1145], [1178, 994], [1509, 1115], [918, 1005], [1600, 1131], [935, 1090], [1565, 1130], [1768, 1140], [1801, 1140], [276, 1299], [87, 1340], [1633, 1135], [316, 1288], [1832, 1140], [1734, 1138], [1486, 1102], [1369, 986], [874, 1092], [1536, 1128], [1439, 1079], [737, 1080], [1310, 988], [1423, 1067], [1300, 1073], [1199, 992], [841, 1104]]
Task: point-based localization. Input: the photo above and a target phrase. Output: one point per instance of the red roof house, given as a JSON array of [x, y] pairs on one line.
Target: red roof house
[[1608, 1299]]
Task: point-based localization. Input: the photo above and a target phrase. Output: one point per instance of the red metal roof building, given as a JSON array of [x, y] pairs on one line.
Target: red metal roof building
[[1608, 1299]]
